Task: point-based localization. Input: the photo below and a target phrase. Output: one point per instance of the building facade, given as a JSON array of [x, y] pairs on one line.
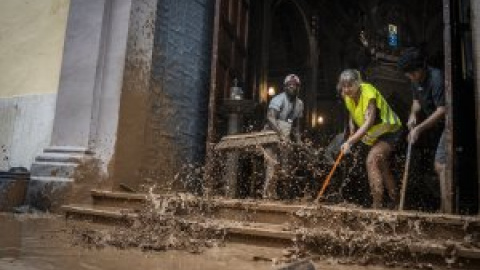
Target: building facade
[[112, 93]]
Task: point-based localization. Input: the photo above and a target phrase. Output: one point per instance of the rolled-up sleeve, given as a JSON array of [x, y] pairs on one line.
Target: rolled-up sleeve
[[276, 103]]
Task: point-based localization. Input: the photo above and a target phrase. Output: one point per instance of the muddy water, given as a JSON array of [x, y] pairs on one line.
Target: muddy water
[[44, 242]]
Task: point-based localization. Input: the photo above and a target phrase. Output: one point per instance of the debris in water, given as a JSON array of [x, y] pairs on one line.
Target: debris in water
[[158, 228]]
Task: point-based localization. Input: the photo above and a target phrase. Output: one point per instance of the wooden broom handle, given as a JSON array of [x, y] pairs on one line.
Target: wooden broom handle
[[405, 177]]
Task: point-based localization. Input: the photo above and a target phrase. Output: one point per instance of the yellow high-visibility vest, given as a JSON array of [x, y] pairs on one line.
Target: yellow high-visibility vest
[[389, 119]]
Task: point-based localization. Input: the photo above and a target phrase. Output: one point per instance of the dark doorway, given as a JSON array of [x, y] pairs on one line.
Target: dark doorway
[[289, 49], [317, 39]]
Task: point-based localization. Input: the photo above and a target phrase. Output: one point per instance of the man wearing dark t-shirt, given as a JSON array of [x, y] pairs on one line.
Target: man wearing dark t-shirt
[[428, 100]]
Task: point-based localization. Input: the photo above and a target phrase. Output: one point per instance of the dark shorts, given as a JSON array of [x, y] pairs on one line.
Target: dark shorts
[[441, 152], [392, 138]]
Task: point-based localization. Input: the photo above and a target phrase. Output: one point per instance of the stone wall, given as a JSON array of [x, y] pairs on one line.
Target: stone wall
[[25, 128]]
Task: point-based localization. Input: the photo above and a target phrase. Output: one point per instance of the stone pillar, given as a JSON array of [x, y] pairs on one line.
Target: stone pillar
[[135, 94], [164, 98], [475, 15], [89, 89]]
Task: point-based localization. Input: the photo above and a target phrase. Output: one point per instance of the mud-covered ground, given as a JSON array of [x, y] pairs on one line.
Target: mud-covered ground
[[52, 242], [178, 233], [46, 242]]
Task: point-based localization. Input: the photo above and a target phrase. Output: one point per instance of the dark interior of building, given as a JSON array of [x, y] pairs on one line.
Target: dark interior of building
[[318, 39]]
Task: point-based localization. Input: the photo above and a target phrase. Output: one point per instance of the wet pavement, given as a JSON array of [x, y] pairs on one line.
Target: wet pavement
[[45, 242]]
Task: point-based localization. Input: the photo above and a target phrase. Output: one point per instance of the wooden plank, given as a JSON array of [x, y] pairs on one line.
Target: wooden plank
[[117, 195], [281, 232], [102, 212], [291, 208], [250, 135], [261, 233], [211, 129], [245, 140], [116, 212], [283, 208]]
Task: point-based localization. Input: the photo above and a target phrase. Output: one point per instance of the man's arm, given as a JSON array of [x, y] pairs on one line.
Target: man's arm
[[272, 116], [414, 110], [433, 119], [438, 96]]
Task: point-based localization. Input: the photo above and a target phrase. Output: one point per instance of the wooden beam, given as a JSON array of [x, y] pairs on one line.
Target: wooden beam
[[266, 35], [213, 78], [449, 170], [212, 107], [475, 9]]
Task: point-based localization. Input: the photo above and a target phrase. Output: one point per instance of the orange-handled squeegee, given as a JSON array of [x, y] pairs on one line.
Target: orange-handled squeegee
[[327, 180]]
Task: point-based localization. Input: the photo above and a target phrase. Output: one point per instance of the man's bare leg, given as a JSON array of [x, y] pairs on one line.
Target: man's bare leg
[[445, 189], [271, 167]]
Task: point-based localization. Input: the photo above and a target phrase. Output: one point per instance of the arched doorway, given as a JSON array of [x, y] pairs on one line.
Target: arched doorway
[[291, 49]]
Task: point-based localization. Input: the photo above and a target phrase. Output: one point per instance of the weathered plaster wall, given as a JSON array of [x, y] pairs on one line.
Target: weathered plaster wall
[[87, 105], [31, 45], [25, 128]]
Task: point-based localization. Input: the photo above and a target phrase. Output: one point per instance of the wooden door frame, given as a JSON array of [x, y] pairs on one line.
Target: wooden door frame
[[211, 134], [447, 35], [311, 77]]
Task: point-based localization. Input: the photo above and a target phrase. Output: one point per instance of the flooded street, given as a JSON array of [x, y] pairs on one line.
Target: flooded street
[[41, 242], [44, 243]]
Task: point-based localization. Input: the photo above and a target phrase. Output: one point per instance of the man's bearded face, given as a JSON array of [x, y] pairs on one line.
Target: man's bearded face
[[292, 88]]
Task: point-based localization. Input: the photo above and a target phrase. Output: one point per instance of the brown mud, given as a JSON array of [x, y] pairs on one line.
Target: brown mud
[[44, 242], [189, 223]]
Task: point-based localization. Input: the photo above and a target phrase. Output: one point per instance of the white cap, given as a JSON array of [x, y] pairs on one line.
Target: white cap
[[290, 78]]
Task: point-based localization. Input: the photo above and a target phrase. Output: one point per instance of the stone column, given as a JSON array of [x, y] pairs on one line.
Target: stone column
[[92, 68], [134, 109], [165, 92], [475, 15]]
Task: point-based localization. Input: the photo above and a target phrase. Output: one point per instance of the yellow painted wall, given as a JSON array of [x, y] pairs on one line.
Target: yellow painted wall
[[32, 34]]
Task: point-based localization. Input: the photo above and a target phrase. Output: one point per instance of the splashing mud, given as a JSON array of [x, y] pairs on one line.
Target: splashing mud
[[192, 217], [160, 227]]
